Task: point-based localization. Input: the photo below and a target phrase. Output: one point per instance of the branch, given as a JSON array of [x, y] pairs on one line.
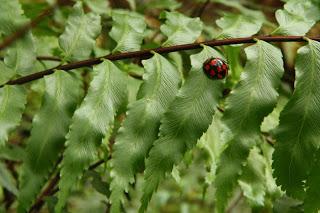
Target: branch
[[50, 188], [161, 50], [25, 28]]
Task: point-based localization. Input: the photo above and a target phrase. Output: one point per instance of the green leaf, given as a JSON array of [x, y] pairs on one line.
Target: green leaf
[[235, 63], [214, 141], [180, 29], [5, 73], [11, 16], [188, 117], [90, 124], [20, 56], [50, 126], [161, 84], [98, 6], [298, 134], [127, 30], [253, 179], [253, 98], [238, 25], [273, 191], [297, 17], [80, 34], [12, 104], [311, 202], [12, 153], [164, 4], [6, 179]]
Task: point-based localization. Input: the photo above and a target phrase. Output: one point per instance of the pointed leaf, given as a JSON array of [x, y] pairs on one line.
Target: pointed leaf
[[180, 29], [80, 34], [188, 117], [12, 105], [253, 98], [127, 30], [90, 124], [298, 134], [161, 83], [50, 126]]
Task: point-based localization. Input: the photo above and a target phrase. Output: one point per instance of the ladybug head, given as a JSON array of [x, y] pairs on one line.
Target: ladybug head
[[215, 68]]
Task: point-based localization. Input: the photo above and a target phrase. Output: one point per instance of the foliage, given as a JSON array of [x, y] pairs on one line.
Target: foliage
[[154, 133]]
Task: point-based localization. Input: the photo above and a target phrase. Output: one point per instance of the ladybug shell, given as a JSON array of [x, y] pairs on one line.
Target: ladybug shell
[[215, 68]]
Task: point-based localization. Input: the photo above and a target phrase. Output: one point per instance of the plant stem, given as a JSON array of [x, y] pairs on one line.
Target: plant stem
[[161, 50]]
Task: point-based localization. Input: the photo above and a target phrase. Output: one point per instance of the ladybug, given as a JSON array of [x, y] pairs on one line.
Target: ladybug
[[215, 68]]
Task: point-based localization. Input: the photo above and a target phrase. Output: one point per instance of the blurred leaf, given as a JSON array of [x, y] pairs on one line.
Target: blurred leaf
[[161, 83], [20, 56], [91, 122], [49, 128], [273, 191], [253, 98], [6, 179], [12, 153], [297, 134], [234, 62], [297, 17], [79, 36], [272, 120], [5, 73], [238, 25], [254, 14], [98, 6], [127, 30], [188, 117], [180, 29], [11, 16], [253, 180], [163, 4], [12, 105], [98, 184], [214, 141]]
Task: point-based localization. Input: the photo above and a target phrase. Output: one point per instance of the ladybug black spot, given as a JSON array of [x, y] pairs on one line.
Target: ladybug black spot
[[215, 68]]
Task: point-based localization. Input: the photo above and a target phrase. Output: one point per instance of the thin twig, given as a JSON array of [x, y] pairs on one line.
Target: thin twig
[[161, 50], [50, 188], [25, 28]]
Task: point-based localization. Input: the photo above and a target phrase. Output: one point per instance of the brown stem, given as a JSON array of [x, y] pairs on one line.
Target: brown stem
[[161, 50], [199, 13], [25, 28]]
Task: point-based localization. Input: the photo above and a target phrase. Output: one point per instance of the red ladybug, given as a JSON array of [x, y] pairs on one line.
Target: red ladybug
[[215, 68]]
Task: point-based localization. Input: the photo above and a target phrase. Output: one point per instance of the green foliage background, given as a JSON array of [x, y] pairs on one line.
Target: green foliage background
[[155, 134]]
